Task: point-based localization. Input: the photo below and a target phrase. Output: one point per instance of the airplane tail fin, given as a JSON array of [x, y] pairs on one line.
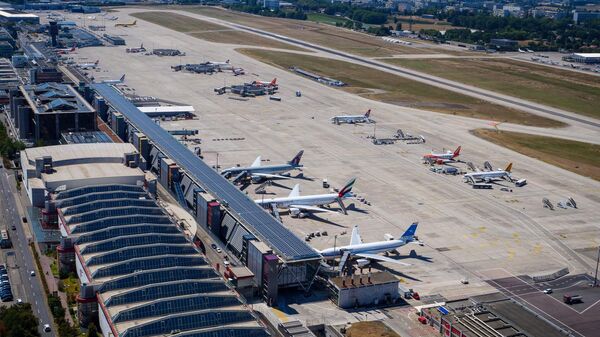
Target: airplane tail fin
[[142, 45], [410, 232], [347, 189], [508, 168], [368, 113], [227, 61], [273, 82], [97, 61], [122, 79], [295, 191], [456, 152], [134, 22], [296, 160]]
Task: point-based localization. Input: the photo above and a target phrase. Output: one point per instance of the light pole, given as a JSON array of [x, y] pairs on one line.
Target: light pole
[[597, 262], [334, 242]]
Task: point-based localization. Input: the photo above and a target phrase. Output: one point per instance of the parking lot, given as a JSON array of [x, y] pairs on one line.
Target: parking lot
[[580, 318]]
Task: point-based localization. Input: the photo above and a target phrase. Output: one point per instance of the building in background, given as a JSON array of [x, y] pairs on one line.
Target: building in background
[[10, 15], [579, 17], [41, 113]]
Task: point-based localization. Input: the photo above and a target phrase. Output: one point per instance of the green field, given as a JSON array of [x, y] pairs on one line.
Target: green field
[[571, 91], [581, 158], [324, 18], [322, 34], [390, 88], [208, 31]]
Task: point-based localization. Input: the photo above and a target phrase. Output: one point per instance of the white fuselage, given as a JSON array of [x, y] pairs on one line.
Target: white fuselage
[[491, 175], [305, 200], [351, 119], [270, 169], [363, 248]]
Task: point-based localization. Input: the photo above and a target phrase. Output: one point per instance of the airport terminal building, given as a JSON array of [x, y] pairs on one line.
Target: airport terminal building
[[141, 273]]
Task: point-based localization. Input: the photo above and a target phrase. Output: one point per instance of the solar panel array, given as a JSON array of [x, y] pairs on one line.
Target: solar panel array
[[259, 222]]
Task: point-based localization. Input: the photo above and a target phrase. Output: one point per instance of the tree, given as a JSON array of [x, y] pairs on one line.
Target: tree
[[18, 321], [92, 332]]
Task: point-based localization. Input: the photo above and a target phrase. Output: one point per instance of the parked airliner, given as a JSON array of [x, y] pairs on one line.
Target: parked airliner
[[296, 203], [258, 172], [370, 251]]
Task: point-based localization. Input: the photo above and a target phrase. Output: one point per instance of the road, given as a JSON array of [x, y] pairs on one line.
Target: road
[[30, 287], [468, 90]]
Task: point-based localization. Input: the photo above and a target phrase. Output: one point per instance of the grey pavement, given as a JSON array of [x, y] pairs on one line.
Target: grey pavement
[[30, 287]]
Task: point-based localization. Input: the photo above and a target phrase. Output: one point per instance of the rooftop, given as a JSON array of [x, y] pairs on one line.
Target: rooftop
[[75, 164], [364, 280], [594, 55], [53, 97], [10, 13], [151, 279]]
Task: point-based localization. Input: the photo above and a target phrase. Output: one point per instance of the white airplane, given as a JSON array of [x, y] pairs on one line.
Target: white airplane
[[119, 81], [489, 176], [521, 50], [88, 65], [221, 65], [296, 203], [258, 172], [442, 158], [352, 119], [370, 251]]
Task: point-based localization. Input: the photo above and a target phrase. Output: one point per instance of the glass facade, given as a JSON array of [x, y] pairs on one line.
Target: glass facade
[[169, 289], [147, 269], [129, 236], [141, 251], [187, 322], [96, 215], [97, 189], [227, 332], [79, 200], [120, 221], [110, 203], [147, 263], [168, 306], [157, 276]]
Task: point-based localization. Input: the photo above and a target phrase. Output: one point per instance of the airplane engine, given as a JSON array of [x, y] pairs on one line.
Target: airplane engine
[[296, 213], [362, 262], [439, 161]]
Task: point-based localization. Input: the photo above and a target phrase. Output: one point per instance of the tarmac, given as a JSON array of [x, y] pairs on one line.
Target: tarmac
[[468, 234]]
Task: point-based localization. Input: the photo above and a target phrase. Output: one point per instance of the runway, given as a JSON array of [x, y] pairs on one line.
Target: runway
[[493, 97]]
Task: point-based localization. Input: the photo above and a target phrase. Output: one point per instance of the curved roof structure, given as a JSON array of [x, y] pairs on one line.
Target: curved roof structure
[[151, 280]]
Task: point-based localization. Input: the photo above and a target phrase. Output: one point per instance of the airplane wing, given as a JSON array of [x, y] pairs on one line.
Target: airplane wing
[[256, 162], [312, 208], [266, 175], [381, 258], [355, 239]]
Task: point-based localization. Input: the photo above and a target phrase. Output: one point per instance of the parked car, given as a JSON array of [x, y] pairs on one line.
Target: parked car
[[47, 328], [32, 273], [548, 291], [213, 246]]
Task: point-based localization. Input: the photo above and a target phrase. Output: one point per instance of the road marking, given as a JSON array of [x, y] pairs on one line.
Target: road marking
[[593, 304]]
